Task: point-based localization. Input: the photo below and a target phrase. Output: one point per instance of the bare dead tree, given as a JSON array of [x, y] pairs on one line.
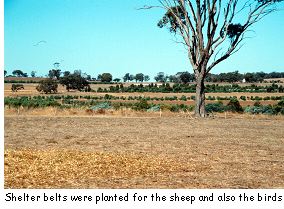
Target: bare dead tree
[[210, 32]]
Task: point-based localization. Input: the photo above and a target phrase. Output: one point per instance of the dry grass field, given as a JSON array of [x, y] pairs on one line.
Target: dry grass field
[[143, 152]]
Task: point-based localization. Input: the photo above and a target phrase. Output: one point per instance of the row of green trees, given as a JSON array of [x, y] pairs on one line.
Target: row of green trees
[[180, 77], [109, 97], [188, 88], [77, 82]]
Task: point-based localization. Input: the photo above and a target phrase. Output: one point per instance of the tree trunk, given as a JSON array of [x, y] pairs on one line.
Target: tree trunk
[[200, 97]]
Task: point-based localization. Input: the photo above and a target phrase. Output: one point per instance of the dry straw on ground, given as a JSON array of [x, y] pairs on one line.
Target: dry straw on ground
[[117, 152], [75, 169]]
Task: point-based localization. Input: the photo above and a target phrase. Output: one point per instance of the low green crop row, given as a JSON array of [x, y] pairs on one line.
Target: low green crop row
[[257, 108], [142, 105], [30, 102], [167, 98]]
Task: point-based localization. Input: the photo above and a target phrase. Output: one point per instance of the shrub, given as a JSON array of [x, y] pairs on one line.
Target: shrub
[[108, 97], [183, 98], [174, 108], [117, 105], [268, 109], [103, 105], [17, 87], [211, 98], [234, 105], [258, 98], [47, 86], [281, 103], [155, 108], [243, 98], [257, 104], [266, 98], [215, 107], [141, 105]]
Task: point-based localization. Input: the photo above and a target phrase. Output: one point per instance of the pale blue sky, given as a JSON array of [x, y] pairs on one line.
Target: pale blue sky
[[99, 36]]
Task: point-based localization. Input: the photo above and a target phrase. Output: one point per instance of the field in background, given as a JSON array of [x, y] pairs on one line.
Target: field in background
[[149, 152], [275, 79]]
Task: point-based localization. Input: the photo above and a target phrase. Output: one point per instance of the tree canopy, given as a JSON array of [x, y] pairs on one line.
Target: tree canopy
[[47, 86], [106, 77], [19, 73], [74, 82], [54, 74]]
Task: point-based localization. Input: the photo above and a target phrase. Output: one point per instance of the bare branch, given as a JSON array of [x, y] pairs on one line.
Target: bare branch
[[148, 7]]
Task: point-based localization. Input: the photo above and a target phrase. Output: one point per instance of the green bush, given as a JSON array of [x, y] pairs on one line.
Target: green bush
[[174, 108], [266, 109], [103, 105], [243, 98], [155, 108], [257, 104], [234, 105], [141, 105], [30, 102], [215, 107], [183, 98]]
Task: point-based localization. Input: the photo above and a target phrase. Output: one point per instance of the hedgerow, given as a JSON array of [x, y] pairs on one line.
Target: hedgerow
[[142, 104], [30, 102], [187, 88]]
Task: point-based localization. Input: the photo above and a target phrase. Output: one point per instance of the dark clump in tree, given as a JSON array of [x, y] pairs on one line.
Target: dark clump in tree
[[47, 86], [75, 82]]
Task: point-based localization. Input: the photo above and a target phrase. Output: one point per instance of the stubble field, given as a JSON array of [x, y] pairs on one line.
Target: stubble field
[[143, 152]]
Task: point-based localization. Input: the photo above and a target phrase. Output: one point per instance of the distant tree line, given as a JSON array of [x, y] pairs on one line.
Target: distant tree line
[[249, 77], [180, 77], [230, 77]]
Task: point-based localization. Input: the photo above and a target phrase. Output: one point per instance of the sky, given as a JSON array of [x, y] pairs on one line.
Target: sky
[[98, 36]]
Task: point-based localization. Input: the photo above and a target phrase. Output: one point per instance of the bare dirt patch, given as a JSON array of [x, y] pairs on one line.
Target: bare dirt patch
[[149, 152]]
